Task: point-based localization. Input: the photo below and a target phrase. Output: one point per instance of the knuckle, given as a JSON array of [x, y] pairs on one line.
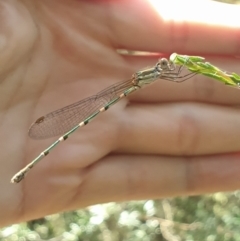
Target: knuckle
[[188, 134], [203, 88]]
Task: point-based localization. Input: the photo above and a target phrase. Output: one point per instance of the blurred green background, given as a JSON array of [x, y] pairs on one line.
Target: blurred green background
[[205, 218], [201, 218]]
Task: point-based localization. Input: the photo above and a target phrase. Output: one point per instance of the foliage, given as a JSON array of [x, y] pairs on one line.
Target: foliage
[[196, 64], [211, 217]]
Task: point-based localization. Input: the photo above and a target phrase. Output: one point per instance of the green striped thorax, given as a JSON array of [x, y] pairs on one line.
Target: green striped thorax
[[149, 75]]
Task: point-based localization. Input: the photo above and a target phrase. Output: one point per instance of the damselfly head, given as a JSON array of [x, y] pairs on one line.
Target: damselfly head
[[164, 64]]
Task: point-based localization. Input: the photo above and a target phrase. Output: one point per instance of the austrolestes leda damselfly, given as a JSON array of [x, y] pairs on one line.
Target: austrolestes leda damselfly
[[68, 119]]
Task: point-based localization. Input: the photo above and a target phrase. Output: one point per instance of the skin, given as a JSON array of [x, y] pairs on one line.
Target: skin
[[164, 141]]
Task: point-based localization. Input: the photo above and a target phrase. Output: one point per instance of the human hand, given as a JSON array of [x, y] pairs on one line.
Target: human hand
[[172, 139]]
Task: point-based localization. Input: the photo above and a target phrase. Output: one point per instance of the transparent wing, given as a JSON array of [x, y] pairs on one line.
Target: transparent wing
[[62, 120]]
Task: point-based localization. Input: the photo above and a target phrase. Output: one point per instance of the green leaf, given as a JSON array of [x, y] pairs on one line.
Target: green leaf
[[220, 78], [196, 64]]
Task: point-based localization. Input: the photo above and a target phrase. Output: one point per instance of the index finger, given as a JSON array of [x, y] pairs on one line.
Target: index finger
[[176, 26]]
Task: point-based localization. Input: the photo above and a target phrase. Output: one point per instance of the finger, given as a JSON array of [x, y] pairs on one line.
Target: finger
[[174, 25], [17, 34], [197, 88], [121, 178], [180, 129], [124, 177]]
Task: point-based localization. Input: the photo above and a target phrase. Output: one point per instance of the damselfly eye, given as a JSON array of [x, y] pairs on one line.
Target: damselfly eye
[[164, 64]]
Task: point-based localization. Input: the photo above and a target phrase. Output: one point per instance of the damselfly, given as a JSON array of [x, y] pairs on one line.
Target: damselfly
[[67, 120]]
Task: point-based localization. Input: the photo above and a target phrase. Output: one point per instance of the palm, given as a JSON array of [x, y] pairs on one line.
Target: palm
[[58, 72]]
